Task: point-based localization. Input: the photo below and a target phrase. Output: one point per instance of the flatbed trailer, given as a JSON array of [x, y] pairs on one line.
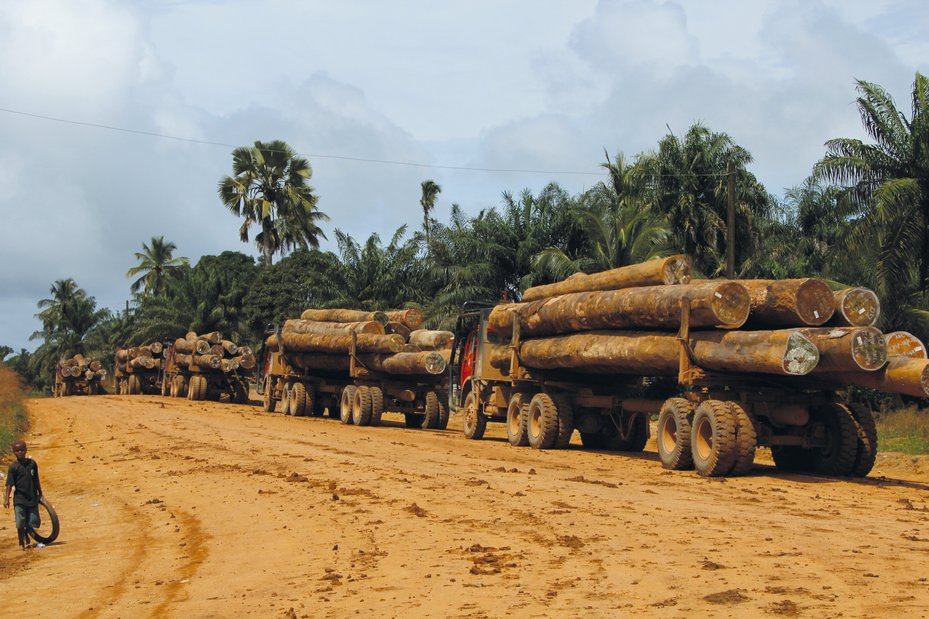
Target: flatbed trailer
[[196, 382], [708, 421]]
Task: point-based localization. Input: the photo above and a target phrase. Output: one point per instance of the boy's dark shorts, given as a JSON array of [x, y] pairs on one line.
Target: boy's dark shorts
[[23, 513]]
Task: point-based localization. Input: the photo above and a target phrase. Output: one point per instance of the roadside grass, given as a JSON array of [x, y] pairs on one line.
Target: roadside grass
[[905, 430], [13, 419]]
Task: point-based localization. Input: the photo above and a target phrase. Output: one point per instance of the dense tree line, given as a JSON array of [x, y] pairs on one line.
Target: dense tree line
[[861, 218]]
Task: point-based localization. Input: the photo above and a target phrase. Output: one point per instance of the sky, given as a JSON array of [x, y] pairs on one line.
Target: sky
[[118, 118]]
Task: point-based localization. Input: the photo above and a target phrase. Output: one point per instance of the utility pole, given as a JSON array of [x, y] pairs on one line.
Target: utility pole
[[730, 221]]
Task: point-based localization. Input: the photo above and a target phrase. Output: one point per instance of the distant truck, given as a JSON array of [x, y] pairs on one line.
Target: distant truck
[[79, 376], [198, 369], [138, 369]]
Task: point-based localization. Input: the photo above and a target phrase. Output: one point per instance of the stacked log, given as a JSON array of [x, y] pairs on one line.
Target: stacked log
[[140, 358], [212, 351], [80, 368], [389, 342]]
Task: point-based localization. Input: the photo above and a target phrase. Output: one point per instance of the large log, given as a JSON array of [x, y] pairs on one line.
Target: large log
[[789, 302], [208, 361], [343, 315], [412, 317], [903, 375], [319, 361], [309, 342], [333, 328], [670, 270], [499, 356], [718, 303], [399, 328], [230, 347], [218, 350], [431, 340], [191, 345], [229, 365], [156, 348], [246, 360], [783, 352], [140, 363], [213, 337], [856, 307], [848, 349], [406, 363], [903, 344]]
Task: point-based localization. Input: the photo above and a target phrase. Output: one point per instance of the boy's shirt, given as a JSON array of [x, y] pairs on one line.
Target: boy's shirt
[[25, 478]]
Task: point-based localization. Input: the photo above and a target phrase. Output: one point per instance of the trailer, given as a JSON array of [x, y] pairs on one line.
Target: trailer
[[709, 421], [78, 376], [349, 388], [204, 380], [139, 369]]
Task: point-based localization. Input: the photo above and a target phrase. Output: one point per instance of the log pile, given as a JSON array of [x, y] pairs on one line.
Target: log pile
[[212, 352], [140, 358], [627, 321], [79, 374], [389, 342]]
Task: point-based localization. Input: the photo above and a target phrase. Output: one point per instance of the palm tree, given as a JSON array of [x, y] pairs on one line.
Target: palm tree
[[887, 193], [430, 192], [269, 188], [156, 264]]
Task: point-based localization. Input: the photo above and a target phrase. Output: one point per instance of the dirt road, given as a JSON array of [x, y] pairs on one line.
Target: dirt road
[[172, 508]]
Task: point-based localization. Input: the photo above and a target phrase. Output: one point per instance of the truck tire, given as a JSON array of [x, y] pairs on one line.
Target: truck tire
[[267, 400], [240, 392], [673, 438], [50, 528], [297, 399], [746, 439], [172, 386], [473, 421], [713, 439], [565, 421], [310, 407], [361, 406], [867, 440], [346, 404], [164, 386], [284, 403], [205, 388], [431, 410], [443, 409], [135, 385], [183, 387], [837, 457], [193, 388], [377, 405], [543, 422], [517, 417]]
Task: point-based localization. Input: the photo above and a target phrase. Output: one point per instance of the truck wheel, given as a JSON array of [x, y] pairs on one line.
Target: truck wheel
[[361, 406], [240, 392], [674, 435], [517, 417], [297, 399], [347, 404], [183, 387], [443, 409], [377, 405], [565, 421], [543, 422], [745, 439], [309, 407], [205, 388], [49, 528], [431, 410], [135, 385], [193, 388], [712, 439], [164, 386], [837, 457], [867, 440], [284, 402], [267, 400], [473, 420]]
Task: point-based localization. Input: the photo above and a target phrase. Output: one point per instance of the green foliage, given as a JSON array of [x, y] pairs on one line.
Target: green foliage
[[13, 418], [156, 265], [904, 429], [269, 188]]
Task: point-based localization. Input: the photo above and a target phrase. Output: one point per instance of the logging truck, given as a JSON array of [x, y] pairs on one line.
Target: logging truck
[[719, 394], [197, 369], [78, 376], [139, 369], [357, 378]]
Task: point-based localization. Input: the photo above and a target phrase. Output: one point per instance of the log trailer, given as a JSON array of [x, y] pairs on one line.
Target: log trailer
[[203, 377], [139, 370], [76, 376], [353, 387], [707, 420]]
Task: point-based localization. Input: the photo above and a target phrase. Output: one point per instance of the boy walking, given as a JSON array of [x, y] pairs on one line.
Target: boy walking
[[23, 475]]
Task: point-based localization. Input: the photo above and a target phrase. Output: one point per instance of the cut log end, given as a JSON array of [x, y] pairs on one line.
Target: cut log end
[[731, 304], [815, 302], [903, 344], [869, 349], [857, 307], [801, 355], [677, 270]]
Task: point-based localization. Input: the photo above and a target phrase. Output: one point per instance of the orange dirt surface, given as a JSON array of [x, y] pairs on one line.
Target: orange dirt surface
[[173, 508]]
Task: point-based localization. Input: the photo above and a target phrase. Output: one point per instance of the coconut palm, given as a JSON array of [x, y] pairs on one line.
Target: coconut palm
[[269, 188], [156, 264], [430, 193]]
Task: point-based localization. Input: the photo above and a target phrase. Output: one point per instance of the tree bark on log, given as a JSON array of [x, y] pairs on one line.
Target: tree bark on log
[[246, 360], [782, 352], [499, 356], [903, 344], [208, 361], [213, 337], [333, 328], [315, 361], [189, 345], [848, 349], [399, 328], [717, 303], [156, 348], [343, 315], [431, 340], [789, 302], [412, 317], [230, 347], [903, 375], [309, 342], [670, 270], [856, 307], [406, 363]]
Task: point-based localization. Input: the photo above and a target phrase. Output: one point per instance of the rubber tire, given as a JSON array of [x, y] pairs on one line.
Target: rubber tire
[[284, 402], [713, 439], [240, 392], [267, 399], [673, 440], [746, 439], [193, 388], [377, 405], [443, 410], [473, 421], [135, 385], [205, 388], [565, 421], [346, 403], [53, 519], [838, 458], [164, 386], [431, 411], [298, 399], [182, 387], [361, 406], [543, 425], [867, 440], [517, 417]]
